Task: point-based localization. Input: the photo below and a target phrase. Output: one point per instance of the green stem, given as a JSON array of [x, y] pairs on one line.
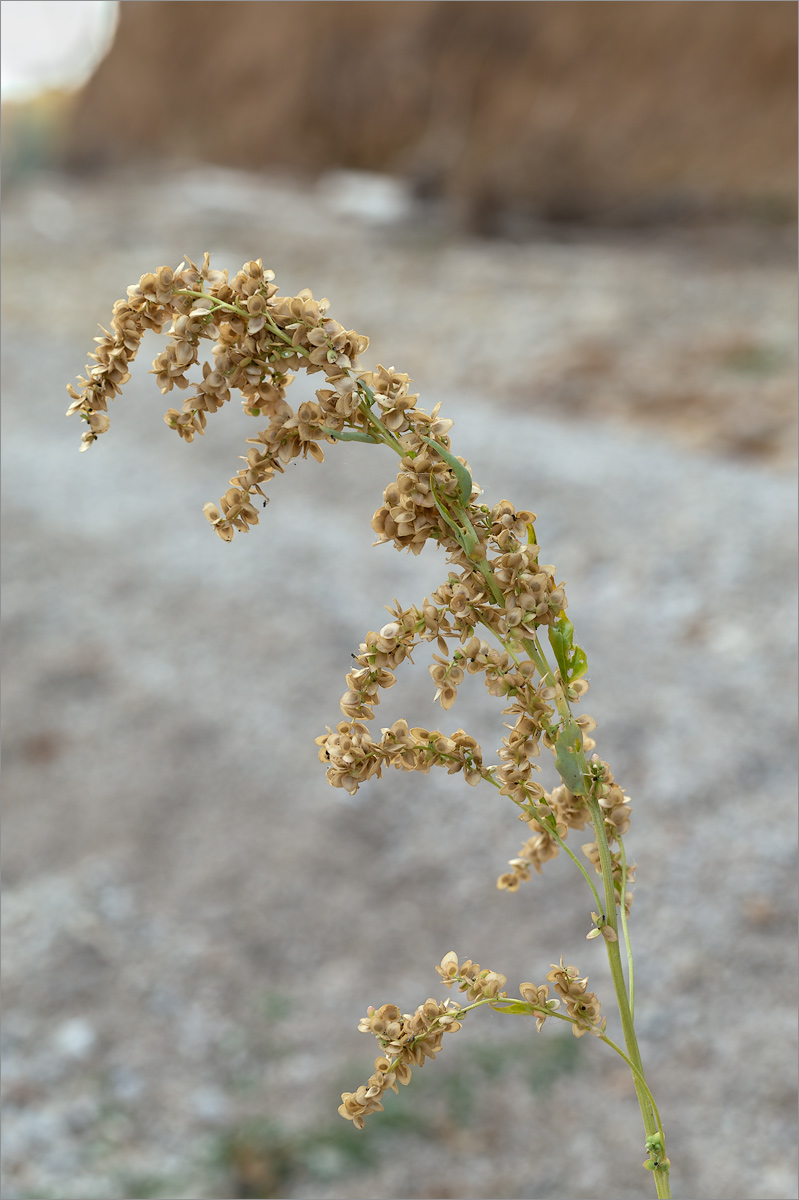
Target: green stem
[[488, 575], [461, 535], [445, 516], [507, 645], [537, 656], [642, 1088], [348, 435], [603, 1037], [242, 312], [533, 648], [617, 974], [623, 919], [386, 436], [281, 333], [600, 907]]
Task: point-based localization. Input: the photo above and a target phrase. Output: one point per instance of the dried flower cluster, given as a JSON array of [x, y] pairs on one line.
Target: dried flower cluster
[[485, 618], [477, 983], [581, 1005], [407, 1040], [498, 587]]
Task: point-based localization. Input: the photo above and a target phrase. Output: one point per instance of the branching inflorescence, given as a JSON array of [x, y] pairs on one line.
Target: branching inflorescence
[[485, 618]]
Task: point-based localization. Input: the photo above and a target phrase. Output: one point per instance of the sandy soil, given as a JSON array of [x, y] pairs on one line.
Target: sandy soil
[[194, 921]]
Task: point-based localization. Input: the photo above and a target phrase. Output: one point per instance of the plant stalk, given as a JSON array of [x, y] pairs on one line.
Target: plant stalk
[[614, 958]]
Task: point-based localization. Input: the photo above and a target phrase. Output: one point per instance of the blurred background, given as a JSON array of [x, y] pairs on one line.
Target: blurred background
[[574, 225]]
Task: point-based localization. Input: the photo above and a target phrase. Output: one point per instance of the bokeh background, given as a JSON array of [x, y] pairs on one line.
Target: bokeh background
[[574, 225]]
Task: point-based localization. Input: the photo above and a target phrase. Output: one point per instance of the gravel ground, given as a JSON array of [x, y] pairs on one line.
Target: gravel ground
[[194, 921]]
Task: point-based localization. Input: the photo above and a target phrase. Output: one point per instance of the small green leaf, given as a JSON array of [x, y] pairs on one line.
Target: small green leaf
[[461, 474], [568, 753], [560, 639], [571, 659], [578, 665], [512, 1008]]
